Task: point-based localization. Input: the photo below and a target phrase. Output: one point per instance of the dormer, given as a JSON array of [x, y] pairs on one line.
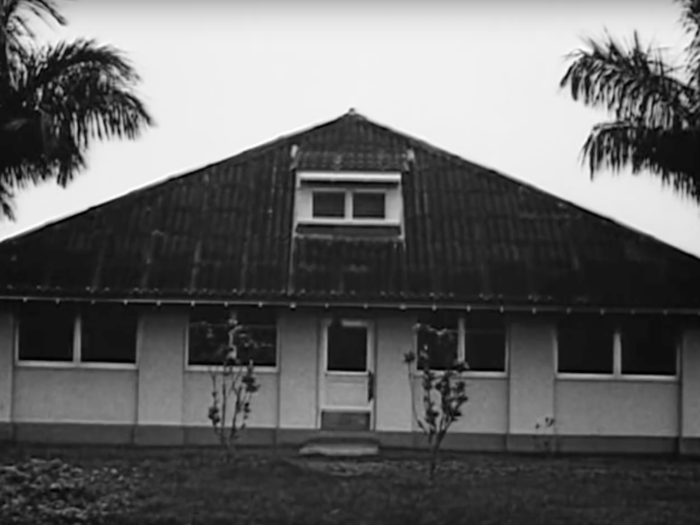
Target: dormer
[[344, 194]]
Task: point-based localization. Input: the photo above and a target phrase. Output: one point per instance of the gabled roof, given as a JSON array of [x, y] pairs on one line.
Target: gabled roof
[[472, 236]]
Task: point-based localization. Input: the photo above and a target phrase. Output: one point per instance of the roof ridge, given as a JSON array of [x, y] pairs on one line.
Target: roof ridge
[[413, 141]]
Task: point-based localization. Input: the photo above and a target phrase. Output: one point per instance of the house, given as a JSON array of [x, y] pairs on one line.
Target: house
[[331, 243]]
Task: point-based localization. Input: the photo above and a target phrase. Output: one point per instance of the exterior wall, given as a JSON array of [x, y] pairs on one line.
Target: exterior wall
[[197, 399], [690, 393], [531, 371], [486, 412], [298, 335], [616, 408], [72, 395], [394, 337], [161, 402], [6, 372], [161, 363]]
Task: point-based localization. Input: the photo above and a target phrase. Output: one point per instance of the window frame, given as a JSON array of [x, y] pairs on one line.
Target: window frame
[[219, 368], [349, 218], [616, 374], [76, 361], [461, 353]]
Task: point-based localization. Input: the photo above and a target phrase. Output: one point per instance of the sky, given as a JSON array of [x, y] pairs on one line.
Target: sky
[[479, 79]]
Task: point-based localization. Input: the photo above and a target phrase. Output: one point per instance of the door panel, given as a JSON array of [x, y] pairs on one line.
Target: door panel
[[346, 374]]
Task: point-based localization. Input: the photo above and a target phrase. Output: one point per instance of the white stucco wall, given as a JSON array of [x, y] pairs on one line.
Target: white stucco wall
[[197, 400], [298, 334], [72, 395], [161, 361], [394, 337], [531, 368], [487, 409], [6, 365], [616, 408], [690, 369]]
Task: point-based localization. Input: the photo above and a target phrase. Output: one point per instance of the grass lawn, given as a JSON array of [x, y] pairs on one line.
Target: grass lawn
[[194, 486]]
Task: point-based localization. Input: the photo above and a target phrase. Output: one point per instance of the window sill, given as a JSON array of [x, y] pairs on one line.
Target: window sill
[[615, 377], [467, 375], [218, 368], [65, 365]]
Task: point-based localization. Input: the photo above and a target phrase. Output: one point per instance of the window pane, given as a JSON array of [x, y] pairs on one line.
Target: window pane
[[347, 348], [648, 348], [329, 204], [46, 332], [108, 334], [261, 326], [485, 342], [438, 334], [368, 205], [209, 335], [585, 345]]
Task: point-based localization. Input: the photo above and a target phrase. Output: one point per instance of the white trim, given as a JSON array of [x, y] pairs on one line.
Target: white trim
[[218, 368], [386, 305], [199, 369], [461, 353], [616, 374], [76, 361], [349, 176], [349, 209], [324, 373]]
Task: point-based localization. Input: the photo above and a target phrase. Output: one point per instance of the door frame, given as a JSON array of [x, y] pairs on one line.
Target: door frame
[[322, 363]]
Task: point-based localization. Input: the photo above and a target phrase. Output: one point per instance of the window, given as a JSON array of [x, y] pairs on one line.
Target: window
[[485, 342], [108, 334], [66, 333], [46, 332], [349, 205], [585, 345], [603, 346], [367, 205], [648, 348], [209, 335], [347, 348], [438, 335], [327, 204], [479, 339]]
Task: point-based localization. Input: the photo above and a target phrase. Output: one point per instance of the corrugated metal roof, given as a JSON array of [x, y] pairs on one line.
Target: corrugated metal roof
[[470, 235]]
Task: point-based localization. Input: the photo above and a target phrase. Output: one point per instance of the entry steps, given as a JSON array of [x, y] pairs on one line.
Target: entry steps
[[341, 444]]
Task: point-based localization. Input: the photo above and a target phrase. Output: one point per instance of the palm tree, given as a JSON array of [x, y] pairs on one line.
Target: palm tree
[[55, 100], [655, 106]]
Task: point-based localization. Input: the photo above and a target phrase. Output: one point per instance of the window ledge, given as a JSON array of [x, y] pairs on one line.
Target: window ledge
[[473, 374], [618, 378], [62, 365], [218, 368]]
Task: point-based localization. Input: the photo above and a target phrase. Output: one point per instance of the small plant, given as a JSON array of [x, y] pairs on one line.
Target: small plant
[[443, 392], [233, 386], [544, 436]]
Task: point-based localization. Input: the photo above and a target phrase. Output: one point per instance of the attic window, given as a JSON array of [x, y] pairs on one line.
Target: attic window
[[329, 204], [364, 204]]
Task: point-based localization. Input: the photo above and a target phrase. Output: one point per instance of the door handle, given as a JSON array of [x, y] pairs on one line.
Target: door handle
[[370, 386]]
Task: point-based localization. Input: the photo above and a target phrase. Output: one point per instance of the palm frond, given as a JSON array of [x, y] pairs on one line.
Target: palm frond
[[16, 27], [71, 94], [690, 20], [672, 154], [629, 83]]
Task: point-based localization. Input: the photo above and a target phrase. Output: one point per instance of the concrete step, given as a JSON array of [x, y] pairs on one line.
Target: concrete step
[[339, 446]]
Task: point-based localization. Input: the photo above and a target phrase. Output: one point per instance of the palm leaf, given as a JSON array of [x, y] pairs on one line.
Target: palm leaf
[[672, 154], [70, 95], [630, 83]]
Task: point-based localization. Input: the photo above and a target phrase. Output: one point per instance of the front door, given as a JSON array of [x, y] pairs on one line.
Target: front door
[[347, 375]]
